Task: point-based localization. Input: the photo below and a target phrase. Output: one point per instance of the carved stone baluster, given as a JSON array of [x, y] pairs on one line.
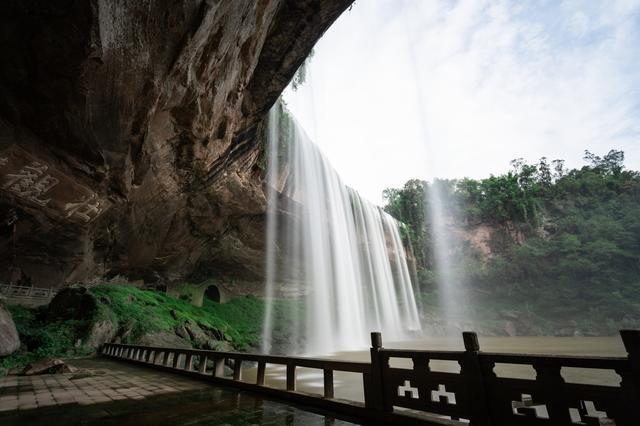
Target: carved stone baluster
[[549, 377]]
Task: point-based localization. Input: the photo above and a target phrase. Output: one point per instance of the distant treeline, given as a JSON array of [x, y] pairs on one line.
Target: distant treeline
[[564, 241]]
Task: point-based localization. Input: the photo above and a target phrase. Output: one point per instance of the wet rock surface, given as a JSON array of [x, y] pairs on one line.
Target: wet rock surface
[[130, 133]]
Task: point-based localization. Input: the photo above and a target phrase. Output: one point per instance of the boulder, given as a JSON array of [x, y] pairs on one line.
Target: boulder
[[163, 339], [47, 366], [9, 339], [101, 332], [198, 336], [181, 331]]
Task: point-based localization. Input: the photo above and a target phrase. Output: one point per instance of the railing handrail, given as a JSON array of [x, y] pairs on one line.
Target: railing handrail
[[28, 292], [320, 363], [475, 393], [508, 357]]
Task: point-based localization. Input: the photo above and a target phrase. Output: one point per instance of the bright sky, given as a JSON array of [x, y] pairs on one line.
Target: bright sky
[[421, 88]]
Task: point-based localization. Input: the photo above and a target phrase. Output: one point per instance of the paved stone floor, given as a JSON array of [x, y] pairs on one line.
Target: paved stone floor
[[116, 393]]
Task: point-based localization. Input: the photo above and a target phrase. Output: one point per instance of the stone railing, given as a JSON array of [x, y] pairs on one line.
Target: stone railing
[[421, 394], [23, 292]]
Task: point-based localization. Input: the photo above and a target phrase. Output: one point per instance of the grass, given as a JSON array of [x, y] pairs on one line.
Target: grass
[[134, 313], [143, 311]]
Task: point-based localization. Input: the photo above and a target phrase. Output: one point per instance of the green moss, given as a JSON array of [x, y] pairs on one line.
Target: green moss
[[240, 319], [135, 312], [148, 311], [43, 339], [191, 293]]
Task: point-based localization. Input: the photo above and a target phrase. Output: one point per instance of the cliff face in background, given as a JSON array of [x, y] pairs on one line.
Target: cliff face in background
[[130, 133]]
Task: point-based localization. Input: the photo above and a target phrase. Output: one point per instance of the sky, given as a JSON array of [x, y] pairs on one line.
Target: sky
[[403, 89]]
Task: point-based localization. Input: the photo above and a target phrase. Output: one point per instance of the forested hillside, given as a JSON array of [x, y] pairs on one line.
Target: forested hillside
[[563, 255]]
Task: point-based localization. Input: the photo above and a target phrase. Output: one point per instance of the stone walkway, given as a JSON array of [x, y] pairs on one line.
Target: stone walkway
[[121, 394], [107, 381]]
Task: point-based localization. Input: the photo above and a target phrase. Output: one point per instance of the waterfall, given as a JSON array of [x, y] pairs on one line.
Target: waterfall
[[344, 253], [449, 280]]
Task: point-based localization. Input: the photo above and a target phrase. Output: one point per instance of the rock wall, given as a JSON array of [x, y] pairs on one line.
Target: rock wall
[[130, 133]]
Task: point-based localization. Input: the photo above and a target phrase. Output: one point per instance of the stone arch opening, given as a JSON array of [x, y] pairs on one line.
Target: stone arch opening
[[212, 293]]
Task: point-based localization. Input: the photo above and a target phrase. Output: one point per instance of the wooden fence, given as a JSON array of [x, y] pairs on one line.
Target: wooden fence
[[424, 395]]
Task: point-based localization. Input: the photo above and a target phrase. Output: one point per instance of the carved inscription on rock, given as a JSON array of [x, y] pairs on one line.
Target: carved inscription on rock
[[31, 183], [85, 210], [36, 183]]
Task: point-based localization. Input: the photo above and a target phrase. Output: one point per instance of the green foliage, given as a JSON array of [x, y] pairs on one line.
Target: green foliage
[[146, 311], [284, 133], [41, 338], [300, 76], [577, 255], [407, 204], [139, 312]]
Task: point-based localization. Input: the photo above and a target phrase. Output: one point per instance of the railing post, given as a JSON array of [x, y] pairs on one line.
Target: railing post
[[237, 369], [631, 378], [472, 372], [291, 377], [631, 341], [374, 386], [328, 383], [261, 371], [188, 363]]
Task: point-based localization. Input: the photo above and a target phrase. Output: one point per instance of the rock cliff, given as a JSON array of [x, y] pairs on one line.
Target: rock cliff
[[130, 133]]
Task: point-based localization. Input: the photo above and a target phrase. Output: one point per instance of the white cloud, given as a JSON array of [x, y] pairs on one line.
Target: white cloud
[[405, 89]]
